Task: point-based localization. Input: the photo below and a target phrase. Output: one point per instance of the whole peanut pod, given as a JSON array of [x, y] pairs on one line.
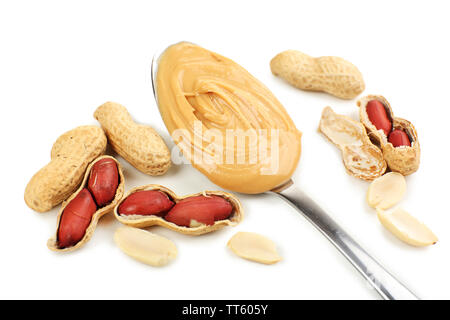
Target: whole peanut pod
[[71, 154], [75, 219], [138, 144], [333, 75], [147, 202], [103, 181]]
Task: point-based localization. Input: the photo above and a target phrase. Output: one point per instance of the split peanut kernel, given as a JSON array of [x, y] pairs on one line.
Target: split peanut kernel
[[386, 191], [407, 228], [145, 246], [255, 247]]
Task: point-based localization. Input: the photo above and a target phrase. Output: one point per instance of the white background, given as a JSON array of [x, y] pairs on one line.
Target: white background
[[60, 60]]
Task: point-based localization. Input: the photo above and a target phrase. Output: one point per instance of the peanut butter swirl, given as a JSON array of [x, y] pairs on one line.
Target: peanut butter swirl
[[225, 121]]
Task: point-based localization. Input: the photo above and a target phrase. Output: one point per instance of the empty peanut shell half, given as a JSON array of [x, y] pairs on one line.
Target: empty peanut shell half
[[396, 137], [407, 228], [386, 191], [255, 247], [145, 246], [183, 214], [361, 158]]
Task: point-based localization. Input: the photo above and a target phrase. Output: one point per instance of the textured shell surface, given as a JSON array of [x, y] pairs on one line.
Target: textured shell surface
[[404, 159], [70, 156], [361, 158], [333, 75], [138, 144]]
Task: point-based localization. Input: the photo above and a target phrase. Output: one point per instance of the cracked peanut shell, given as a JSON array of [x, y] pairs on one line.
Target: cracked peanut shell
[[361, 158], [402, 159], [52, 243], [143, 221]]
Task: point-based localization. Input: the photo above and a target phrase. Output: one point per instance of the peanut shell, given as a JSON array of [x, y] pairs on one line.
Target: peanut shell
[[52, 243], [138, 144], [70, 155], [333, 75], [361, 158], [141, 221], [403, 159]]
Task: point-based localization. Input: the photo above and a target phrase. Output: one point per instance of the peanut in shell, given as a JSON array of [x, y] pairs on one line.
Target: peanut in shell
[[143, 221], [329, 74], [52, 243], [70, 155], [138, 144], [403, 159]]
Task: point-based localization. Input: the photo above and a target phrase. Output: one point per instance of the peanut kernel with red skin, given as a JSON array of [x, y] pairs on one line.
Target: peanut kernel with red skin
[[75, 219], [399, 138], [147, 202], [203, 209], [103, 181], [378, 116]]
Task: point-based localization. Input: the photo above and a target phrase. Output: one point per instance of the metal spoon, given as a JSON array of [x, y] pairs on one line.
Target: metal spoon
[[379, 278]]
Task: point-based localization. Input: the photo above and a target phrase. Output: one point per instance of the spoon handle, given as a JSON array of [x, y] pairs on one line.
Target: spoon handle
[[379, 278]]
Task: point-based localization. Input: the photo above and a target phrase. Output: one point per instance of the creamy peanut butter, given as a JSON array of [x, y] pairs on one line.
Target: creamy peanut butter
[[225, 121]]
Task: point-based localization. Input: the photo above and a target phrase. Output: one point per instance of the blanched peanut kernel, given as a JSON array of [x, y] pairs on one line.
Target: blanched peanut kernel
[[386, 191], [255, 247], [407, 228], [145, 246]]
